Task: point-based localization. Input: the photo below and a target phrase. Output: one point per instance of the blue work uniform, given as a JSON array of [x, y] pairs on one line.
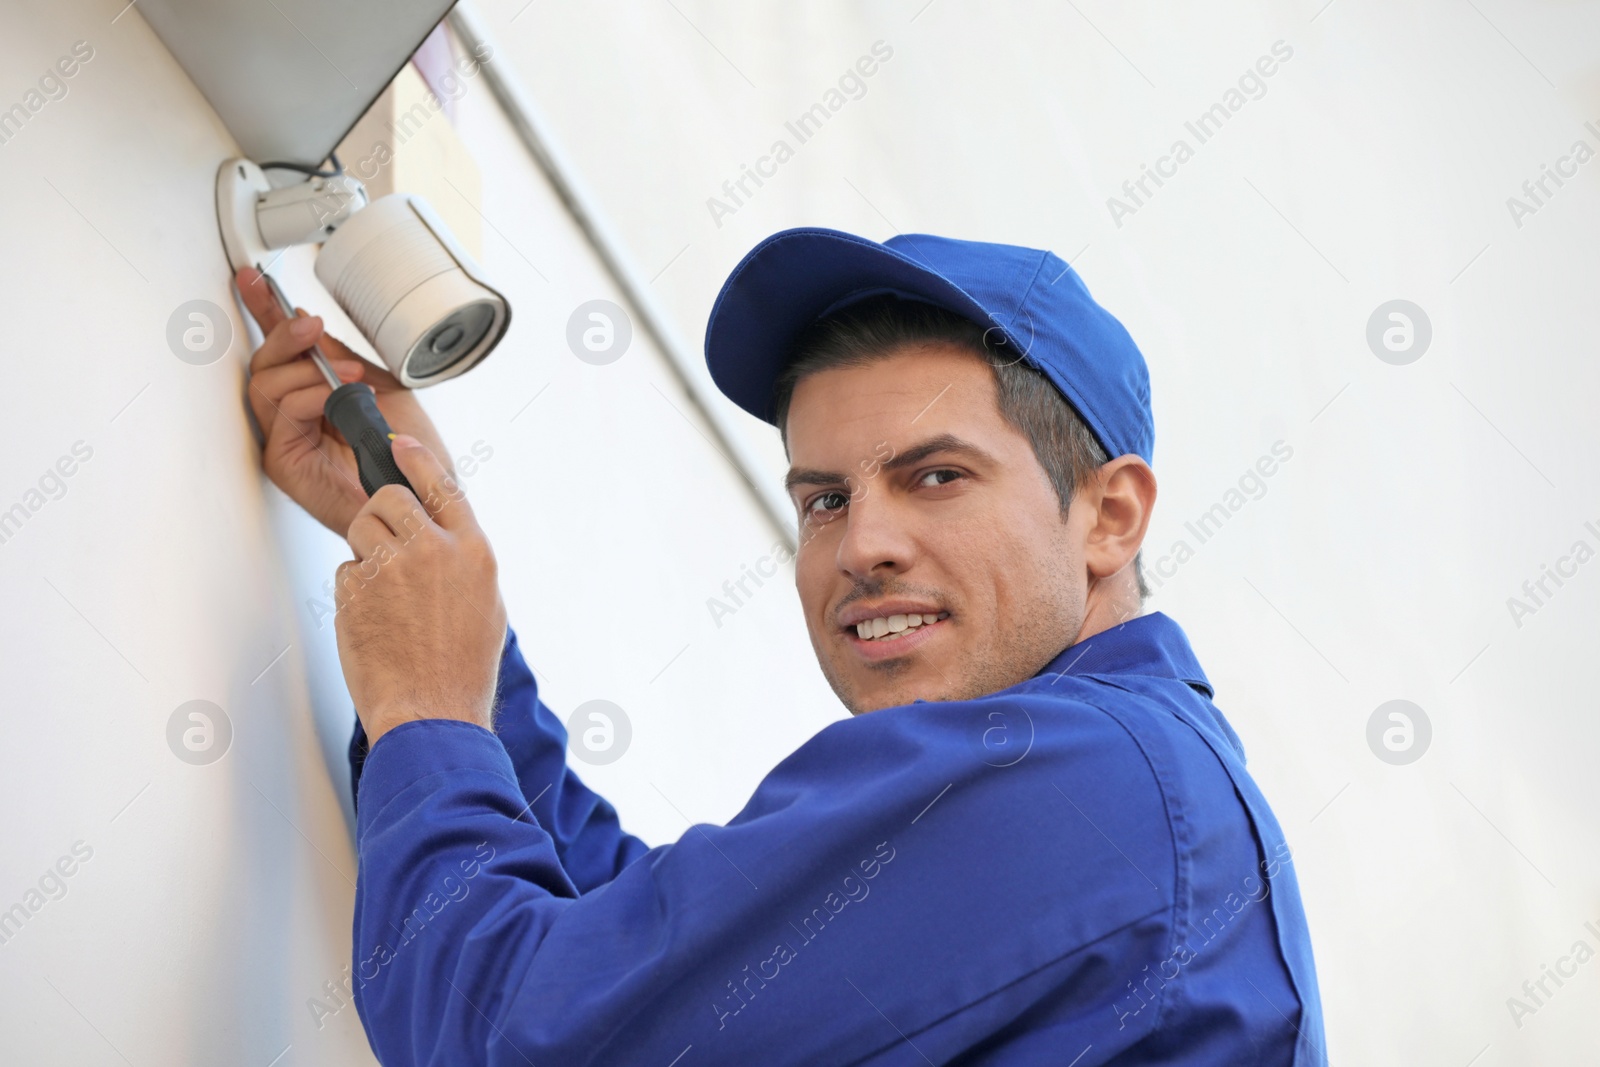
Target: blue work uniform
[[1076, 870]]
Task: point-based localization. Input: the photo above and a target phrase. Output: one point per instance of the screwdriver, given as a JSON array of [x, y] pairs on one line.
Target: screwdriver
[[353, 410]]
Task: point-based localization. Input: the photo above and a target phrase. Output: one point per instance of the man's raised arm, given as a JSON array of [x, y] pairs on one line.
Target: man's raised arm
[[589, 841]]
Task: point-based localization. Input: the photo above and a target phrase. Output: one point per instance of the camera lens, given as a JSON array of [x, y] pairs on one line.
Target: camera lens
[[452, 338]]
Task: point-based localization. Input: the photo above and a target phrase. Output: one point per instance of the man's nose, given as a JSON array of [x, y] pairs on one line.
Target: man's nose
[[877, 538]]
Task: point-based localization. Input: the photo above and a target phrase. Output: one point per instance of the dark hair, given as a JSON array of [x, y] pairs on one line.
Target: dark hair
[[873, 328]]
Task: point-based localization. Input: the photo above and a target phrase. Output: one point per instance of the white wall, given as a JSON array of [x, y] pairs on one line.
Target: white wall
[[217, 898], [1376, 565]]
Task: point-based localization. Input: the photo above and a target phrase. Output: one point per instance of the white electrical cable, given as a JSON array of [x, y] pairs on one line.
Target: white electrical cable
[[535, 134]]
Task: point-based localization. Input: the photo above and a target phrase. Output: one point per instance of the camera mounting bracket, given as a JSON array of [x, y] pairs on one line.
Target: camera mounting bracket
[[255, 219]]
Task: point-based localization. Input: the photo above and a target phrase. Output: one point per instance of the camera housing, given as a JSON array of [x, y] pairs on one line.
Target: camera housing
[[409, 286], [392, 264]]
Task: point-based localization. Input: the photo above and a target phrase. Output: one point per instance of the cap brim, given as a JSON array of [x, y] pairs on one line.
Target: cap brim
[[787, 282]]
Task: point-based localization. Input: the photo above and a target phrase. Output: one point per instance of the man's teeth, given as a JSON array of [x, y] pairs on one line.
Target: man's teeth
[[887, 628]]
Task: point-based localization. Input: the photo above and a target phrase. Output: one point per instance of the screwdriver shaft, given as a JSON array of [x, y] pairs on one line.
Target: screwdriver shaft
[[287, 308]]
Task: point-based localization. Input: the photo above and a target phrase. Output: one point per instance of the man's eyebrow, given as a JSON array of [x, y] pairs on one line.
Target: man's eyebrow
[[810, 476], [944, 442]]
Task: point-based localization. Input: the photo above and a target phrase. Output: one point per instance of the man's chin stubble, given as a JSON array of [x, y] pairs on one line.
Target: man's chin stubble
[[889, 671], [899, 675], [940, 683]]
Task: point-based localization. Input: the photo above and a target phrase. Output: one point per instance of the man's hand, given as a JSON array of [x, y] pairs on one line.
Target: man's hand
[[305, 456], [420, 621]]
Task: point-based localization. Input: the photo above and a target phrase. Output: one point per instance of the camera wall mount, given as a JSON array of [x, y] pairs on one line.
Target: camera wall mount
[[257, 220]]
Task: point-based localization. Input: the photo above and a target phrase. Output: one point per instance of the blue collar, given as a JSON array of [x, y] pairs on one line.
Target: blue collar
[[1150, 644]]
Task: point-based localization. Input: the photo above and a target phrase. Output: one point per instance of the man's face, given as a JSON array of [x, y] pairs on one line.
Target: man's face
[[925, 513]]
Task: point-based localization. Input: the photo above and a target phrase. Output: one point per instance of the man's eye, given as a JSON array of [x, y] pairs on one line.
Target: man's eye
[[938, 477], [826, 505]]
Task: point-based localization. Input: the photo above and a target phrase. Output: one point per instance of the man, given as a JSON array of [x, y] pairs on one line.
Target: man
[[1034, 841]]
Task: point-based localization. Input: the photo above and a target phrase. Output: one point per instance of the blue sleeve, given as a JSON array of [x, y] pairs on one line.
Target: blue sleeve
[[887, 894], [584, 829]]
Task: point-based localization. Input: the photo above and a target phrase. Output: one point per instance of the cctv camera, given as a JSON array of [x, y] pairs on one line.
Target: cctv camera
[[391, 264], [411, 288]]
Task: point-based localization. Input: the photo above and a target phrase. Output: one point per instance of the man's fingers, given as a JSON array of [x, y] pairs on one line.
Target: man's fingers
[[258, 298], [436, 487], [337, 351], [286, 341], [295, 422], [290, 339], [369, 535], [273, 384], [303, 405], [263, 307], [400, 511]]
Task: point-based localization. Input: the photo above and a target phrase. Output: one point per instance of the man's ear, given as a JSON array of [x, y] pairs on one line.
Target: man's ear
[[1124, 497]]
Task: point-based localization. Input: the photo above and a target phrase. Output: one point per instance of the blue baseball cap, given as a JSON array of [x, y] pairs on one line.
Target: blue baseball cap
[[1032, 297]]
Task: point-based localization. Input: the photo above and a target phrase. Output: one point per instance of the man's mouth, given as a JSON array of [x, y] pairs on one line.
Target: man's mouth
[[895, 627]]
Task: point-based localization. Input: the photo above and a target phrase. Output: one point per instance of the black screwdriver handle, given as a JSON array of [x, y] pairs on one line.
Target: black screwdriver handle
[[353, 410]]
